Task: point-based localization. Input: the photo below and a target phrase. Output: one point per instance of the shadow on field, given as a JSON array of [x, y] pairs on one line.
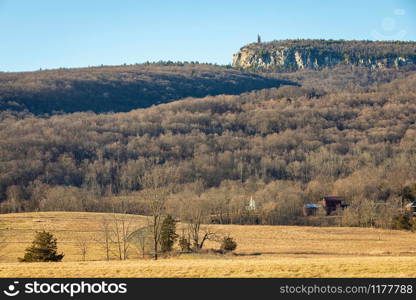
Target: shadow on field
[[320, 253]]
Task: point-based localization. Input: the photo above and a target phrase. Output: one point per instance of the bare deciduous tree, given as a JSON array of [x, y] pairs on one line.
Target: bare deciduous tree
[[142, 239], [82, 243], [157, 186], [195, 211], [104, 238], [121, 229]]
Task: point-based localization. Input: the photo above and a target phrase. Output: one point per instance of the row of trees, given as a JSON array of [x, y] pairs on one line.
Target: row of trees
[[117, 235]]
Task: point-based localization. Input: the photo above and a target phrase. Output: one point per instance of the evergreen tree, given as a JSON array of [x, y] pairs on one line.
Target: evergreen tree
[[184, 244], [168, 234], [228, 244], [403, 222], [44, 248]]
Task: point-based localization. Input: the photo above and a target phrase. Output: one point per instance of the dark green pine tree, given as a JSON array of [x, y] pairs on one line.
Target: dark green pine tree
[[43, 248], [168, 234]]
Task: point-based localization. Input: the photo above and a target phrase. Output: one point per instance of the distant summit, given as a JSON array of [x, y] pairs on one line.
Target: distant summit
[[294, 55]]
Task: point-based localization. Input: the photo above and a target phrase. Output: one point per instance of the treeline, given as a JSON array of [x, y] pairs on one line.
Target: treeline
[[284, 147], [343, 78], [121, 88]]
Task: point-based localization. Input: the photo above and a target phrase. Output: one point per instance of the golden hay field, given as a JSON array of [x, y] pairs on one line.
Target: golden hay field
[[263, 251]]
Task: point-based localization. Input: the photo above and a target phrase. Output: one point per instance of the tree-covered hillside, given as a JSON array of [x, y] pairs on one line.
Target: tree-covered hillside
[[121, 88], [284, 146]]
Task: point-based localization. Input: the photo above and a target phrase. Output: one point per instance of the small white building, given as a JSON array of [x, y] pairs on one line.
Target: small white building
[[251, 204]]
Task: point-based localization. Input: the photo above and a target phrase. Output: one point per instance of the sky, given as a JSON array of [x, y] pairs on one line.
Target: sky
[[48, 34]]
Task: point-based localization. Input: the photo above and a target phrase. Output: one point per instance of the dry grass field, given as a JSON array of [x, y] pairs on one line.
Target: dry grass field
[[263, 251]]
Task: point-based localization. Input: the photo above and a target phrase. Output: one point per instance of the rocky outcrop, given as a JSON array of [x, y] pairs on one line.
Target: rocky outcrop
[[293, 55]]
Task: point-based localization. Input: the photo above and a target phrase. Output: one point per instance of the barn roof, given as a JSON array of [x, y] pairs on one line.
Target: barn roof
[[333, 198]]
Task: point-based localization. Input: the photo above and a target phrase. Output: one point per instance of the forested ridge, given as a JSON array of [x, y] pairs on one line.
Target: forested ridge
[[121, 88], [284, 146], [301, 54], [359, 48]]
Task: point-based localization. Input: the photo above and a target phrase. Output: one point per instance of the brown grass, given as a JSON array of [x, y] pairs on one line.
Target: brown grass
[[263, 251]]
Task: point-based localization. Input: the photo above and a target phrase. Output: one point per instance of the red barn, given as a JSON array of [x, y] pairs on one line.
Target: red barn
[[332, 203]]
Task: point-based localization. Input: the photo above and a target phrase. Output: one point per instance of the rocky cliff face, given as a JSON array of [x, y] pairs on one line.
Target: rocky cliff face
[[293, 55]]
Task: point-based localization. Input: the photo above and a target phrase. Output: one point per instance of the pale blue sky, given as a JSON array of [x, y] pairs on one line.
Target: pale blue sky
[[75, 33]]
